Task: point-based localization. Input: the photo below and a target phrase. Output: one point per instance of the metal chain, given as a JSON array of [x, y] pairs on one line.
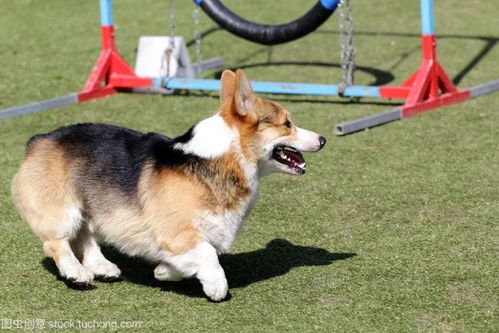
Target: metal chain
[[171, 26], [347, 53], [196, 15], [165, 64]]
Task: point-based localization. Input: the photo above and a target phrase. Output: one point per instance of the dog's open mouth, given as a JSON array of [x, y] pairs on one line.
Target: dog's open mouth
[[290, 157]]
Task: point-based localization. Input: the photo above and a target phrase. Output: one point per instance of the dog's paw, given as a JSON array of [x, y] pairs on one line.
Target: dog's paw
[[76, 274], [216, 290], [164, 272], [103, 269]]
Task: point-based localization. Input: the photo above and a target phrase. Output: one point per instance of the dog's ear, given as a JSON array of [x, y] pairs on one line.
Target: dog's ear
[[243, 95], [227, 83]]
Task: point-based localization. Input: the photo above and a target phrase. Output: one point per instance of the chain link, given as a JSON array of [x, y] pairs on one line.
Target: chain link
[[165, 64], [171, 26], [197, 37], [347, 48]]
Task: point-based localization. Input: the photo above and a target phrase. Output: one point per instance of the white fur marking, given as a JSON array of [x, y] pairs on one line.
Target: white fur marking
[[306, 140], [71, 269], [212, 138], [72, 223], [202, 261], [96, 263]]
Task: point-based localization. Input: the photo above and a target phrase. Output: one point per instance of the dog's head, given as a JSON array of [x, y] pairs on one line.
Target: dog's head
[[267, 134]]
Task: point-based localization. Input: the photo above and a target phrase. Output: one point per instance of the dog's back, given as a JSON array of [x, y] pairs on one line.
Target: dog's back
[[106, 154], [92, 156], [92, 172], [176, 202]]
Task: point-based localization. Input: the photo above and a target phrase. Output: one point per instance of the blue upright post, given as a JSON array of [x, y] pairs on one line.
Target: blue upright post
[[106, 13], [427, 17]]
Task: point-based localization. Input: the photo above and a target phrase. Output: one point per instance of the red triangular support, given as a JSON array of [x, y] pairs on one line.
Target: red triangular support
[[428, 87], [111, 72]]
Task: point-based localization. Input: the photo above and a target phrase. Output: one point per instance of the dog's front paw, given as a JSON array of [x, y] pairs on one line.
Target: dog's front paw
[[216, 290]]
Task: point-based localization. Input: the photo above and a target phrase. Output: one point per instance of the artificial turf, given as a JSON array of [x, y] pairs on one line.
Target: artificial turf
[[394, 229]]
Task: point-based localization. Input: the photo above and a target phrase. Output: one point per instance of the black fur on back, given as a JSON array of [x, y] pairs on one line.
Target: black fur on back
[[114, 156]]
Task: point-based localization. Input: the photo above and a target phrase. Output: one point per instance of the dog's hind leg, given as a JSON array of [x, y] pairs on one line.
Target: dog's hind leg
[[69, 266], [165, 272], [56, 223], [57, 226], [89, 251], [46, 200]]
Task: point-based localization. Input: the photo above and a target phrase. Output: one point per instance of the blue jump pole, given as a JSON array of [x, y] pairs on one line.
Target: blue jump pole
[[106, 13], [427, 17], [286, 88]]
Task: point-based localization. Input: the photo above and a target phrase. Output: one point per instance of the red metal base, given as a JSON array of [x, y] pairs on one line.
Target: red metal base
[[428, 87], [111, 72]]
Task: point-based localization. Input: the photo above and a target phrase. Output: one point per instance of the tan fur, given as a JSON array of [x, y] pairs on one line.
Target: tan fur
[[227, 87], [168, 201], [172, 201], [42, 192], [41, 188], [262, 121], [69, 210]]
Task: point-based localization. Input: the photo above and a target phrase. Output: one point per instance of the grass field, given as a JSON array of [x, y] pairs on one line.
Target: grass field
[[391, 230]]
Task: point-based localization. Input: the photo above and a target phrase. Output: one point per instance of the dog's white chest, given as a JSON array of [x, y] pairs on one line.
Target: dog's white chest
[[221, 230]]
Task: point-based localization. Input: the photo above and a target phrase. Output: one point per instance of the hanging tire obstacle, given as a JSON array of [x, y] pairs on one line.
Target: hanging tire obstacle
[[269, 34]]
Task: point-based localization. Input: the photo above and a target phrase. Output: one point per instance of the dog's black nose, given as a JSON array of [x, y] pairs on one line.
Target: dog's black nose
[[322, 141]]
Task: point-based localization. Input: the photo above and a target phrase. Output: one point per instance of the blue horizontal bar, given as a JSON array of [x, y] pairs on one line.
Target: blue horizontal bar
[[286, 88]]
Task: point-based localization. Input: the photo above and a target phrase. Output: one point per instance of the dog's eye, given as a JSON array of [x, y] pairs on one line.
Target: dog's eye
[[287, 123]]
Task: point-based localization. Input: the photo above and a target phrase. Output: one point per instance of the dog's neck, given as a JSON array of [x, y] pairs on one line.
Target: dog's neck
[[219, 149], [212, 139]]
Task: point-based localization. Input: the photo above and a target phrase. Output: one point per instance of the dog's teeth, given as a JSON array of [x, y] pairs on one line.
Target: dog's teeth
[[302, 166]]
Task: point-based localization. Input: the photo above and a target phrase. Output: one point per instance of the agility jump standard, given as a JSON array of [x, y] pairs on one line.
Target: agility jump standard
[[428, 88]]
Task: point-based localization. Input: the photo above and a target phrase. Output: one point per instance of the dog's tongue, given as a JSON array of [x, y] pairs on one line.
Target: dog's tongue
[[290, 157], [295, 156]]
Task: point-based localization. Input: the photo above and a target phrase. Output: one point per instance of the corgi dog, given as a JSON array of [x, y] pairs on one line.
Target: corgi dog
[[177, 203]]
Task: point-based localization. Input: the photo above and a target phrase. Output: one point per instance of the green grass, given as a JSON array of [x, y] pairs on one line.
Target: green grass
[[392, 230]]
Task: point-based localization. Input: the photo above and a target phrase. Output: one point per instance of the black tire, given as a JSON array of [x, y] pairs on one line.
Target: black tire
[[269, 34]]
